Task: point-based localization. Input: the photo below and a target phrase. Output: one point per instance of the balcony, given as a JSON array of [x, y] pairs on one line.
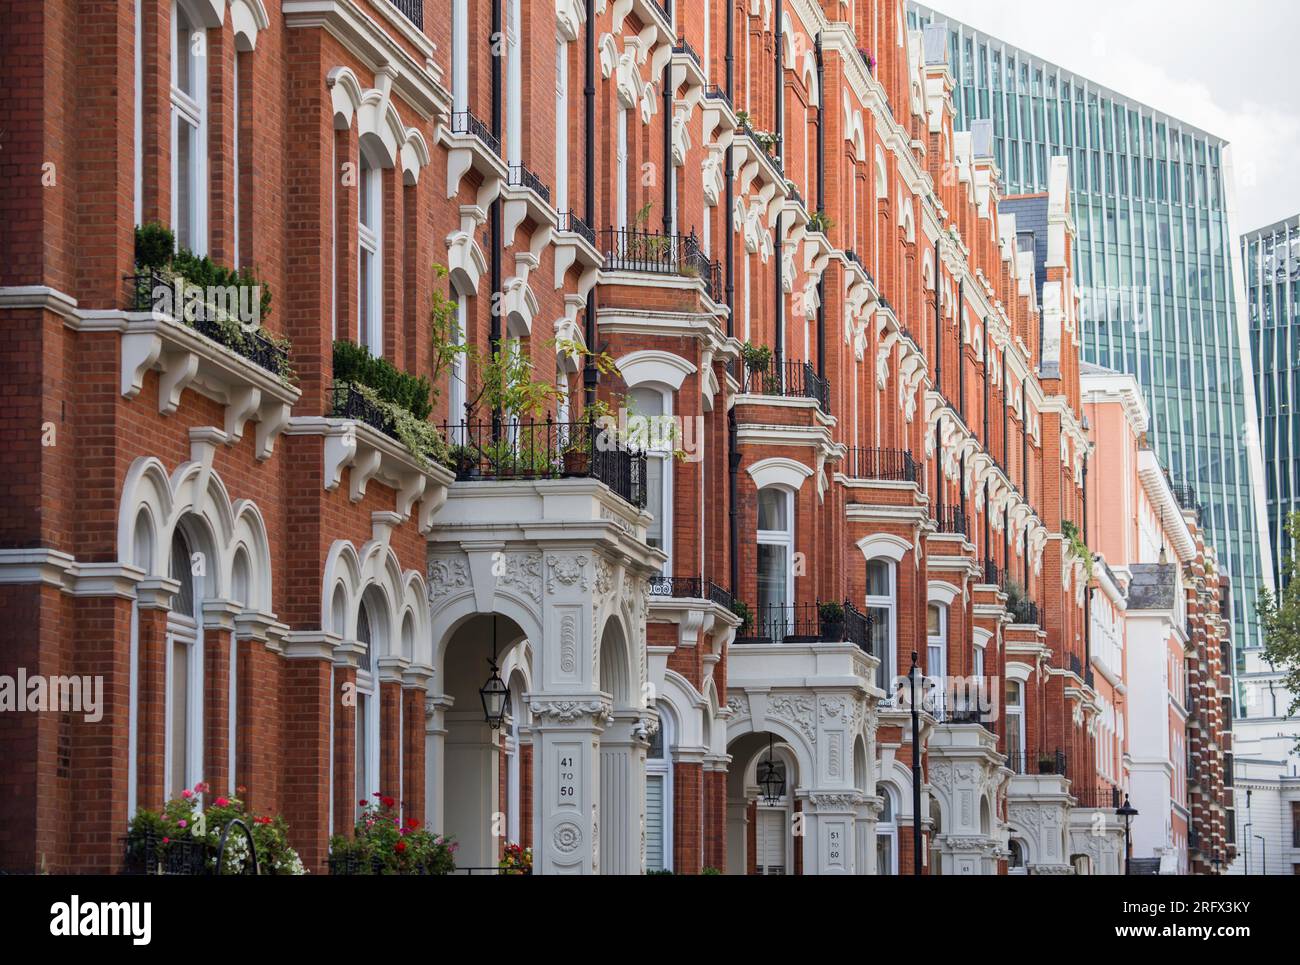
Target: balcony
[[412, 10], [714, 92], [688, 588], [521, 177], [991, 574], [569, 221], [1038, 762], [886, 465], [950, 520], [808, 623], [214, 355], [530, 450], [464, 122], [348, 402], [788, 380], [647, 252], [1185, 496], [1102, 795], [683, 46], [1023, 611]]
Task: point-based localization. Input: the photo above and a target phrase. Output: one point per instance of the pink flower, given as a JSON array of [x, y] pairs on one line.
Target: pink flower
[[182, 823], [222, 802], [187, 794]]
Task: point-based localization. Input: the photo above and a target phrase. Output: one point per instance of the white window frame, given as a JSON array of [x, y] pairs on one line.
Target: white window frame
[[457, 389], [370, 242], [888, 829], [664, 456], [460, 55], [889, 659], [190, 110], [620, 170], [663, 767], [368, 698], [561, 124], [938, 643], [514, 84], [785, 538], [186, 629], [1017, 710]]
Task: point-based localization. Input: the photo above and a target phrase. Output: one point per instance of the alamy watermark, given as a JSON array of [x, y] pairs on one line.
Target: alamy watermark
[[214, 303], [37, 693]]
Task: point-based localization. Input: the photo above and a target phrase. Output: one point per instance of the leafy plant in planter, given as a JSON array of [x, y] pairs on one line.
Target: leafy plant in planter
[[832, 620], [1046, 763], [758, 358], [1077, 546], [155, 836], [1015, 594], [383, 844], [741, 609], [516, 859], [820, 221]]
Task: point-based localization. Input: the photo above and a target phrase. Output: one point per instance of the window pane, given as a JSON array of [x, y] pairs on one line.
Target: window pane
[[877, 578], [182, 571], [1013, 694], [655, 501], [184, 173], [772, 510], [932, 621], [363, 709], [180, 694], [363, 636], [654, 822], [880, 627], [884, 854]]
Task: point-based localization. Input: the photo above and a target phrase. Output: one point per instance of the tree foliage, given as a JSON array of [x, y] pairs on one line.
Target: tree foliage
[[1279, 616]]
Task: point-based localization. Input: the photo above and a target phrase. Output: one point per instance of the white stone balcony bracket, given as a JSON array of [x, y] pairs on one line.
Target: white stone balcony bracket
[[520, 203], [185, 359], [465, 153], [419, 486]]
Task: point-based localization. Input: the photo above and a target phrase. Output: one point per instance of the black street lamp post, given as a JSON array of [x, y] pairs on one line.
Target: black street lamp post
[[1128, 812], [916, 772]]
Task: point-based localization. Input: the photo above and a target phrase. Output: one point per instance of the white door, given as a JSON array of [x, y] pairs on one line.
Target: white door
[[771, 844]]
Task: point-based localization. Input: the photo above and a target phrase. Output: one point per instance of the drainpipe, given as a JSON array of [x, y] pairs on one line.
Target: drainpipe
[[668, 134], [779, 348], [938, 324], [1003, 395], [1087, 596], [987, 448], [821, 201], [729, 245], [494, 215], [938, 467], [590, 374], [961, 350]]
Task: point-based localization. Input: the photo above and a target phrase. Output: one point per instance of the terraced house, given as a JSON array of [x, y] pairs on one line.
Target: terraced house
[[742, 396]]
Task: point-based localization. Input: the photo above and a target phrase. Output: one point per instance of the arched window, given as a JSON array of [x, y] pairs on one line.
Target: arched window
[[659, 797], [189, 132], [1016, 862], [184, 738], [1015, 714], [457, 391], [371, 629], [652, 409], [882, 608], [887, 832], [370, 248], [775, 561], [936, 645]]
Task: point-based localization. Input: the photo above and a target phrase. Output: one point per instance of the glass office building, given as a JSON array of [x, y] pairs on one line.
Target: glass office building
[[1158, 267], [1271, 258]]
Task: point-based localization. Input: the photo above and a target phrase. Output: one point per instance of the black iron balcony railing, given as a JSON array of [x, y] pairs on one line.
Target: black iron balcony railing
[[808, 623], [348, 402], [689, 588], [412, 10], [1185, 496], [1102, 795], [1038, 762], [950, 519], [464, 122], [717, 93], [547, 450], [889, 465], [991, 573], [1088, 677], [788, 380], [1076, 665], [1023, 611], [569, 221], [852, 256], [683, 46], [627, 249], [143, 295], [520, 176]]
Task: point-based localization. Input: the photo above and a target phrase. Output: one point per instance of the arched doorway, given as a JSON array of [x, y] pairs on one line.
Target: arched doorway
[[623, 746], [761, 830], [474, 813]]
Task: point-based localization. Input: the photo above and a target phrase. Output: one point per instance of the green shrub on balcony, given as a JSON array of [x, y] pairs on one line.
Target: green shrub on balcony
[[354, 363]]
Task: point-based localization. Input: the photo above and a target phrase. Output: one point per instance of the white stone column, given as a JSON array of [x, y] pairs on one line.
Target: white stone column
[[435, 760], [566, 776], [622, 796]]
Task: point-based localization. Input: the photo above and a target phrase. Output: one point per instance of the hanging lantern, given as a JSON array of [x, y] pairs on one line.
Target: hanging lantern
[[496, 698], [495, 694], [771, 778]]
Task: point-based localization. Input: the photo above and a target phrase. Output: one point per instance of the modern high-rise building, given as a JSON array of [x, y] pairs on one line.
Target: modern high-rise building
[[1271, 257], [1157, 262]]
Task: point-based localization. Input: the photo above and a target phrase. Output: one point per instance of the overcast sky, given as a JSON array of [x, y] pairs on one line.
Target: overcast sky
[[1228, 68]]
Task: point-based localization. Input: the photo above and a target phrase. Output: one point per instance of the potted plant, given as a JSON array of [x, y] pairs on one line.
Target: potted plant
[[463, 460], [741, 609], [1046, 765], [516, 860], [577, 456], [832, 621]]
